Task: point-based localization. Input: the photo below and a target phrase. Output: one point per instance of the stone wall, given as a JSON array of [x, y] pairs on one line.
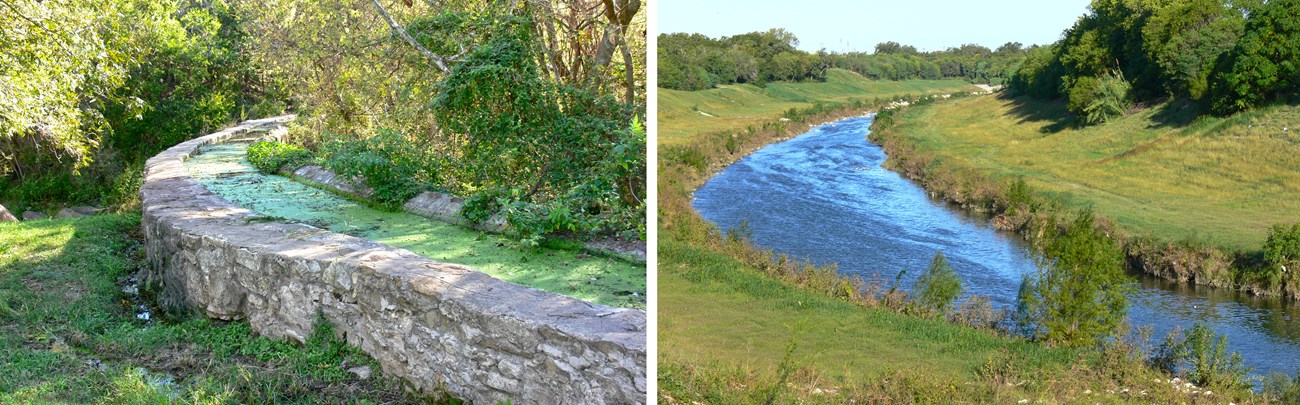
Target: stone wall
[[437, 325]]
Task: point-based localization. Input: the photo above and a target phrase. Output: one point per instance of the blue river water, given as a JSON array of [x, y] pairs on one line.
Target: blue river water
[[823, 196]]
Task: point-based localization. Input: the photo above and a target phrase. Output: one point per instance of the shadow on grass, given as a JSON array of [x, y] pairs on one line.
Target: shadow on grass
[[1052, 115]]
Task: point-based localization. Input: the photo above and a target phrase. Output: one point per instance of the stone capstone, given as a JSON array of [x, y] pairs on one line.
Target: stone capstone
[[440, 326]]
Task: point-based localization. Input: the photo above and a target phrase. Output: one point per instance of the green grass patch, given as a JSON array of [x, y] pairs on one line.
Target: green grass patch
[[715, 309], [69, 334], [685, 114], [1156, 172]]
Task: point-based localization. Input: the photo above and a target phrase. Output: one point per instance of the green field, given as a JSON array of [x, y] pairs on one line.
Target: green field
[[715, 309], [732, 107], [1158, 172]]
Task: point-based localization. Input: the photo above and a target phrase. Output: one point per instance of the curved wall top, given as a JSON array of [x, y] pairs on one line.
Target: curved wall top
[[437, 325]]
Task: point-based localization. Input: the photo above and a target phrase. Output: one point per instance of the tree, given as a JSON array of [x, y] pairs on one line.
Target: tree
[[1186, 39], [938, 286], [1264, 65], [1077, 297]]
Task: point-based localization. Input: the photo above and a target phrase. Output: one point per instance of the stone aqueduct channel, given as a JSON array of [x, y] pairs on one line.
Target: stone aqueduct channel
[[437, 325]]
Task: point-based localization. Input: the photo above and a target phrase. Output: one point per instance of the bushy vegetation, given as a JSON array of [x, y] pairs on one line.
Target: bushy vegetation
[[1225, 56], [271, 156], [89, 89], [939, 285], [1077, 298], [1201, 356], [697, 62]]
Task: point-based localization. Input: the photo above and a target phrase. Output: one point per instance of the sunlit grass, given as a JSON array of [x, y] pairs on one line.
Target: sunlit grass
[[1218, 180]]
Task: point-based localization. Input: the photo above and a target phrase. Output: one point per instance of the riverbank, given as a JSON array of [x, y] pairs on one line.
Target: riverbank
[[790, 328], [71, 331], [1189, 200]]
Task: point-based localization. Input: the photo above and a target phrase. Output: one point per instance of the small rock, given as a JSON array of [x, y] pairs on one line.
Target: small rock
[[1023, 401], [1087, 392], [31, 215], [87, 210], [5, 216], [362, 372]]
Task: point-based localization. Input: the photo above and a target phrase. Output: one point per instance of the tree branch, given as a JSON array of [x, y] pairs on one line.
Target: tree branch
[[438, 61]]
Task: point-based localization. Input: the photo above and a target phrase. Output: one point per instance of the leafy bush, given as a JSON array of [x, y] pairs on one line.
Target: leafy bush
[[1202, 356], [1077, 298], [1282, 388], [388, 162], [269, 156], [1110, 99], [938, 286]]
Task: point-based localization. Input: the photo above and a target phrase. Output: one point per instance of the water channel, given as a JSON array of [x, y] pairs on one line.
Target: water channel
[[823, 196], [223, 169]]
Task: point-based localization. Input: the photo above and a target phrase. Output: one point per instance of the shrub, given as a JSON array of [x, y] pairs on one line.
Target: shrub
[[1282, 388], [1110, 99], [269, 156], [388, 163], [1201, 355], [1077, 298], [939, 285]]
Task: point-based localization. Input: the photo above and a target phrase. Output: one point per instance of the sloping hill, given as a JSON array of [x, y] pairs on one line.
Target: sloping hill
[[1158, 172]]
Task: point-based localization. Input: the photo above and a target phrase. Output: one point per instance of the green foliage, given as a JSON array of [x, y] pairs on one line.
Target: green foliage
[[270, 156], [555, 157], [1264, 65], [1282, 388], [1110, 99], [1201, 355], [1077, 297], [696, 62], [938, 286], [1186, 38], [97, 87], [389, 163]]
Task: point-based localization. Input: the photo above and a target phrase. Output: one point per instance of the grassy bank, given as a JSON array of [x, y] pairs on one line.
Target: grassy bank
[[1191, 199], [1220, 180], [682, 114], [69, 334]]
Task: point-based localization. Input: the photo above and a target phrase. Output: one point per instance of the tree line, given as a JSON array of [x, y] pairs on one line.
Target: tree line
[[1225, 56], [697, 62], [534, 106]]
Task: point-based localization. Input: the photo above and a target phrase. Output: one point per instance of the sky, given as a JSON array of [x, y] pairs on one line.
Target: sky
[[848, 25]]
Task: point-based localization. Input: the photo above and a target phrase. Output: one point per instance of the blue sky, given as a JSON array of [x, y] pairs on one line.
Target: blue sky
[[846, 25]]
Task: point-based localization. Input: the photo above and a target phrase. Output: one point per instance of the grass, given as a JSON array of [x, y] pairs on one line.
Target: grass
[[69, 334], [733, 107], [1157, 172], [715, 309]]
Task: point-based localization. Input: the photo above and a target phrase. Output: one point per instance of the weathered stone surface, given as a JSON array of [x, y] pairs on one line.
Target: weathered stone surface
[[5, 216], [30, 215], [69, 213], [326, 177], [437, 325]]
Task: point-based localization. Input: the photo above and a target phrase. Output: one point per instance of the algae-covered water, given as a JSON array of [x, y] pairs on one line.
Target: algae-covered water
[[223, 169]]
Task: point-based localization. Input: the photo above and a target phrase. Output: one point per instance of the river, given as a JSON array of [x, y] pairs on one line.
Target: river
[[824, 196]]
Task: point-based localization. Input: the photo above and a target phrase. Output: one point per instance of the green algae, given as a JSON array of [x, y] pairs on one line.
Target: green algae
[[223, 169]]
